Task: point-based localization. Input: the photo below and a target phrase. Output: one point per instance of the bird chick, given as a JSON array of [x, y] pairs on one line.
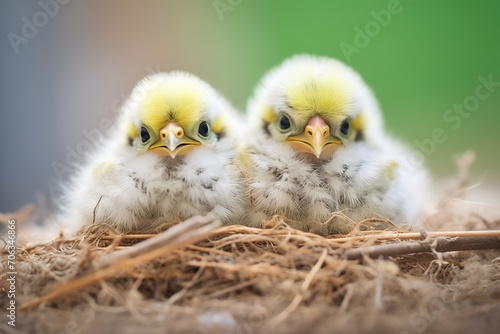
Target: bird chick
[[317, 146], [170, 156]]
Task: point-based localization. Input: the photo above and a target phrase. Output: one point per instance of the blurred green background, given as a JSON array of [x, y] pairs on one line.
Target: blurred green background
[[81, 64]]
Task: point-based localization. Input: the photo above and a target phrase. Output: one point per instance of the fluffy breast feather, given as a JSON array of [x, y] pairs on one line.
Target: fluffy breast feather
[[362, 181], [133, 192]]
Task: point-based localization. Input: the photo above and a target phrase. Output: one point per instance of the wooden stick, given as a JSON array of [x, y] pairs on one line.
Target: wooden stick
[[190, 231], [440, 244], [419, 235], [371, 235], [181, 234]]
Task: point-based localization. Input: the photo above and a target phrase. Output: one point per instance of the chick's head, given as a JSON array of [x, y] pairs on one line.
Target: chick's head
[[316, 105], [172, 114]]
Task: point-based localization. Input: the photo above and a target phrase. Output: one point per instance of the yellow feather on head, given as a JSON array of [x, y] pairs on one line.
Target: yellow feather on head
[[178, 99], [319, 92]]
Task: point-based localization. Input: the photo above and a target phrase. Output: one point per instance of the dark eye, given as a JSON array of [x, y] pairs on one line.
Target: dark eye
[[144, 135], [284, 122], [204, 129], [344, 127]]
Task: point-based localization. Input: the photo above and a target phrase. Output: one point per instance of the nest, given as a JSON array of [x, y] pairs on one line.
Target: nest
[[240, 279], [198, 277]]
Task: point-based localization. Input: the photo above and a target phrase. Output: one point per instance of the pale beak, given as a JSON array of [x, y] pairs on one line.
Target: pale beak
[[173, 142], [316, 138]]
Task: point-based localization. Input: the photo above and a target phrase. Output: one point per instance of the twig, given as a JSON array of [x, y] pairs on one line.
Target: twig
[[131, 236], [96, 207], [379, 235], [420, 235], [190, 231], [179, 235], [440, 244]]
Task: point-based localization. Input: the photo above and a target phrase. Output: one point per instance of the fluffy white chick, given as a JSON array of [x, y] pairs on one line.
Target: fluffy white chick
[[170, 156], [317, 146]]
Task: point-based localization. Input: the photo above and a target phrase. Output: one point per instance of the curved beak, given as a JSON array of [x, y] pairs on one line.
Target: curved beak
[[173, 142], [316, 138]]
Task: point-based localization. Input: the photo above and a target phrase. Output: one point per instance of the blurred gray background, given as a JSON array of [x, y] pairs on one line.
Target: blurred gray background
[[63, 79]]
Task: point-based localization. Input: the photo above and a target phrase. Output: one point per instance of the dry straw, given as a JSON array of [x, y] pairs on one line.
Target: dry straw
[[197, 266]]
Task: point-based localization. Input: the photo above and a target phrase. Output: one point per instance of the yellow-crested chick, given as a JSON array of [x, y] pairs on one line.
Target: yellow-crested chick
[[319, 155], [170, 156]]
